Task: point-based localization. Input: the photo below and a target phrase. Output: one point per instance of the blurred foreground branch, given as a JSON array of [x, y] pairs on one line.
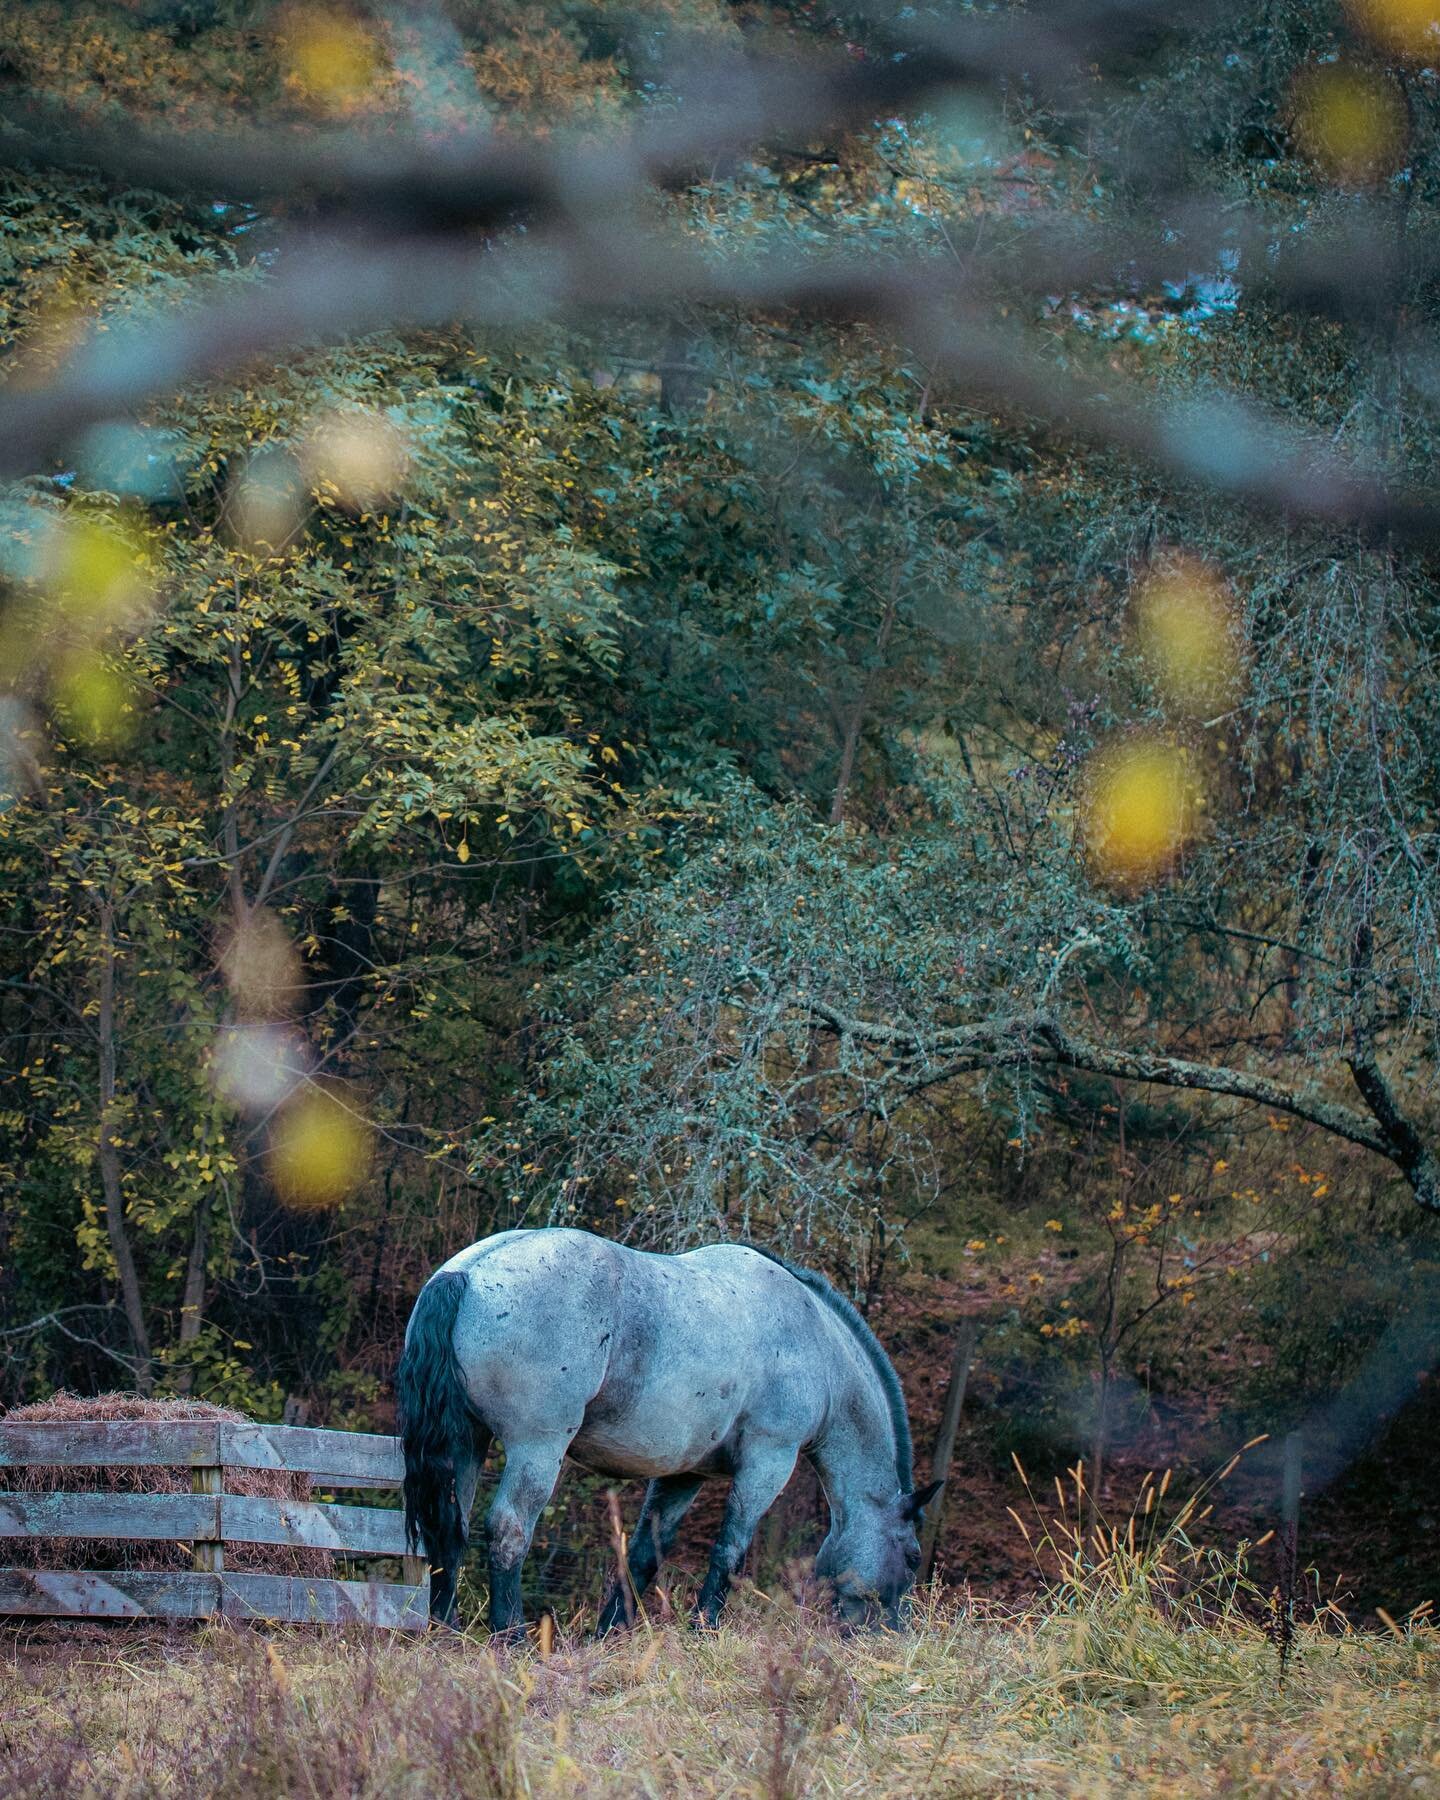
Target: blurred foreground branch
[[488, 230]]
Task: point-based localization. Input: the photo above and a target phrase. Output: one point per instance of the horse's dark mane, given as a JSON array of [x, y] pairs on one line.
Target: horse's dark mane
[[870, 1344]]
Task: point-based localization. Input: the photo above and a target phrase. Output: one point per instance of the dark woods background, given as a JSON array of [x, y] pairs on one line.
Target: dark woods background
[[876, 693]]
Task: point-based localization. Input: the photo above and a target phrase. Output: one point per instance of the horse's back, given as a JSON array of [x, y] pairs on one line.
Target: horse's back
[[541, 1252], [557, 1269]]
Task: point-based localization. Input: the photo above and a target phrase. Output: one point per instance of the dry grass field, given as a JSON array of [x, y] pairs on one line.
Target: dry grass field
[[1109, 1697]]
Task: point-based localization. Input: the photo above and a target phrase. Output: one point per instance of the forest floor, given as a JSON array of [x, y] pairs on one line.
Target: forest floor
[[1112, 1699], [1367, 1526]]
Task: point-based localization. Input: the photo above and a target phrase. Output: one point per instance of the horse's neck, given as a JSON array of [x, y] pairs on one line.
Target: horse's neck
[[855, 1451]]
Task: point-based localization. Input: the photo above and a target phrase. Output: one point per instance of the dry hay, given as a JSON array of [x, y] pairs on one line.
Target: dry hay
[[117, 1553]]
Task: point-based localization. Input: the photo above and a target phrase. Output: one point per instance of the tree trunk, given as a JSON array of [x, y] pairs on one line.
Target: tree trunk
[[230, 821], [192, 1301], [108, 1156], [856, 722]]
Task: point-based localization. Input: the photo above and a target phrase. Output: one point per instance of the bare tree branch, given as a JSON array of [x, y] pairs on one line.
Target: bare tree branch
[[928, 1060]]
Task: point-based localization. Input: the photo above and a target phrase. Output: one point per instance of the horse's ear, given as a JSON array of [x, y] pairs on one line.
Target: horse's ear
[[916, 1503]]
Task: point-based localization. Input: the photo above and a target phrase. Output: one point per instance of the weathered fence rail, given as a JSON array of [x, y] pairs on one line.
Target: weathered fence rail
[[207, 1519]]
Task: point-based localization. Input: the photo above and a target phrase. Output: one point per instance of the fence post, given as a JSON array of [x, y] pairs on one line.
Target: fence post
[[967, 1333], [207, 1555]]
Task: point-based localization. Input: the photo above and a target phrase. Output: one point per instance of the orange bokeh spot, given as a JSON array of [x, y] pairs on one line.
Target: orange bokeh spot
[[1411, 28], [330, 58]]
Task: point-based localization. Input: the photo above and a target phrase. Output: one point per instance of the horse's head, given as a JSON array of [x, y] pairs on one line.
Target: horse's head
[[872, 1557]]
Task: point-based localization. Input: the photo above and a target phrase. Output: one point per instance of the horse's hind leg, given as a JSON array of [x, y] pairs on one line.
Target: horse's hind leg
[[444, 1580], [531, 1471], [666, 1502]]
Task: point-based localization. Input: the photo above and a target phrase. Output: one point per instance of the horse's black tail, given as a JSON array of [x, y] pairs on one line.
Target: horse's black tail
[[435, 1422]]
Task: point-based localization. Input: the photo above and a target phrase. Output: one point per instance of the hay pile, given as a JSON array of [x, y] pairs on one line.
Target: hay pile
[[115, 1553]]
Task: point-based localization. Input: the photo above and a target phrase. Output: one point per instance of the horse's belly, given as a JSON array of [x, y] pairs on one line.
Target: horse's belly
[[650, 1444]]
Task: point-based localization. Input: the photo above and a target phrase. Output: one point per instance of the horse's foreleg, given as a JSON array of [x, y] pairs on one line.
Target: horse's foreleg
[[666, 1503], [531, 1471], [757, 1485]]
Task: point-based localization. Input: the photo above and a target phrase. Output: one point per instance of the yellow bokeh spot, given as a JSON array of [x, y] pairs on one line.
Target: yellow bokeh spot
[[1139, 809], [330, 58], [356, 458], [1185, 619], [1350, 121], [1409, 27], [319, 1152], [96, 701], [99, 574]]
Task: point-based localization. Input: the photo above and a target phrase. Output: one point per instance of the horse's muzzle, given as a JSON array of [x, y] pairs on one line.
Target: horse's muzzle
[[864, 1612]]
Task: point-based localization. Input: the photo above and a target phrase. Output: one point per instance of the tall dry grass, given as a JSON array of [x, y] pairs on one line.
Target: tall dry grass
[[1150, 1665], [1105, 1693], [1141, 1607]]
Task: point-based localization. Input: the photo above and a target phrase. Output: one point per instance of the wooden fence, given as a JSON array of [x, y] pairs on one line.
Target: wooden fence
[[207, 1518]]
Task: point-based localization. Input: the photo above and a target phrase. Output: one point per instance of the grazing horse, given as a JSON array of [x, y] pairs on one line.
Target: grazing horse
[[725, 1361]]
